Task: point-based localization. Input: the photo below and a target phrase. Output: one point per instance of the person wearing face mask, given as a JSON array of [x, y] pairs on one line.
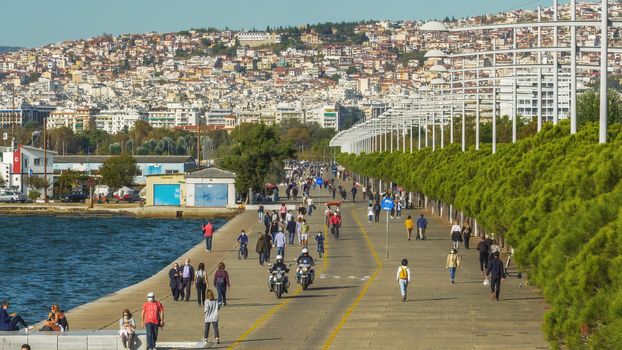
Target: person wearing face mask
[[126, 329], [174, 278]]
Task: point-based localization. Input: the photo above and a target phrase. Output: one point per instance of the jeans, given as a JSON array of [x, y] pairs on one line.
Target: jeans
[[280, 251], [403, 286], [466, 239], [206, 329], [452, 273], [376, 216], [260, 215], [309, 210], [152, 334], [353, 197], [262, 258], [201, 289], [291, 238], [370, 217], [186, 284], [483, 261], [208, 243], [495, 285], [222, 293], [175, 292]]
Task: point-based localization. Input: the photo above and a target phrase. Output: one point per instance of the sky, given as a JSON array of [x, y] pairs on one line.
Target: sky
[[31, 23]]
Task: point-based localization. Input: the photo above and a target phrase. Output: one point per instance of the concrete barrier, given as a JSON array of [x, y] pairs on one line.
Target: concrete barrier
[[71, 340]]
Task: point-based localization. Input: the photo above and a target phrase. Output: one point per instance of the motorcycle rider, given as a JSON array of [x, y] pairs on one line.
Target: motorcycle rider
[[276, 266], [305, 258]]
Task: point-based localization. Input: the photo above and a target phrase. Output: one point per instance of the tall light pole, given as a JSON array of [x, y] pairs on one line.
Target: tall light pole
[[602, 132]]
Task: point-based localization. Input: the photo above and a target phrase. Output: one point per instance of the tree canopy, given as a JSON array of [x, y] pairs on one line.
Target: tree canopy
[[256, 155], [118, 171]]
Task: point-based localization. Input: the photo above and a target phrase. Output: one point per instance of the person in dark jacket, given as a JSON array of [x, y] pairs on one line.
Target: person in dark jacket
[[291, 230], [9, 322], [221, 281], [496, 273], [187, 277], [174, 281], [376, 211], [466, 235], [260, 248], [482, 248]]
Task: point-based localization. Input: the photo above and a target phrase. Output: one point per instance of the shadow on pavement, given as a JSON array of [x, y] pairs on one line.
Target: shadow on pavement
[[433, 299], [526, 298], [310, 296]]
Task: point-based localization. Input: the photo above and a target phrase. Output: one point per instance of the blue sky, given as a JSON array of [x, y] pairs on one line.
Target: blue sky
[[32, 23]]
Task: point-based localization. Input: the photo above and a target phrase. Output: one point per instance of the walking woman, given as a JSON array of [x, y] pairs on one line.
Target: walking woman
[[260, 248], [127, 326], [466, 235], [200, 279], [221, 281], [409, 224], [211, 317], [453, 262]]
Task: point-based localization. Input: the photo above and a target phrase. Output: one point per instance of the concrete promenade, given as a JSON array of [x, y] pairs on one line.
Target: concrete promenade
[[355, 302]]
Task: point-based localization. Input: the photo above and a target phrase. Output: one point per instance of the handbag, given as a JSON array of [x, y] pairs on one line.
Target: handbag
[[486, 281]]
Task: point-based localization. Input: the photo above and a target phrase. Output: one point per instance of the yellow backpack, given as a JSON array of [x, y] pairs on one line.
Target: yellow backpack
[[403, 274]]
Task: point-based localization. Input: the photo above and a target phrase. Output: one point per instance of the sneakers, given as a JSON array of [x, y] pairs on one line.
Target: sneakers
[[452, 281], [205, 340], [493, 296], [403, 298], [217, 340]]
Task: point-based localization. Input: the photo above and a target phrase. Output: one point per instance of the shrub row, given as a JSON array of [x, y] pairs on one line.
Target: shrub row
[[556, 198]]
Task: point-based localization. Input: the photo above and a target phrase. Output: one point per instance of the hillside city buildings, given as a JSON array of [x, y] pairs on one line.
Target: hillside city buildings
[[220, 79]]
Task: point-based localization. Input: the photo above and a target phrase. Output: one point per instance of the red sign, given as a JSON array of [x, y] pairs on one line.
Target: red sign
[[17, 160]]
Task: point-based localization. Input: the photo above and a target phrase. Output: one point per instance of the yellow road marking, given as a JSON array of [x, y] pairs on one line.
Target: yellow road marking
[[348, 312], [272, 311]]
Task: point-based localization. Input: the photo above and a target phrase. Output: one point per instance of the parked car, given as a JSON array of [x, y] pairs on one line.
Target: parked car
[[75, 196], [12, 196]]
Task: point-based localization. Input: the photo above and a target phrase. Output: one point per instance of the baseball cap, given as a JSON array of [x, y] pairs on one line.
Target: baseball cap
[[150, 295]]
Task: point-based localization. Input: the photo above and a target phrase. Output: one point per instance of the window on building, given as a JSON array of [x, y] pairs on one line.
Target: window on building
[[172, 171], [37, 161]]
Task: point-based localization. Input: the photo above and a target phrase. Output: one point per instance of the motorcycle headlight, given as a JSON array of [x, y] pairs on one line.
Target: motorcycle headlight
[[304, 269], [279, 276]]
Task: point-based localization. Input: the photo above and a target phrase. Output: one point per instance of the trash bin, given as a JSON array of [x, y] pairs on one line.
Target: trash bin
[[179, 214]]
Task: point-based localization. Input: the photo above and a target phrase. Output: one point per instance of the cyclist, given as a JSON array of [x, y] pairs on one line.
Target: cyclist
[[319, 238], [243, 240], [335, 222]]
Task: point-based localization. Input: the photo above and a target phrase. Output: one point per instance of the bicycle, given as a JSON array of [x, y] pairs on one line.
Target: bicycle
[[320, 249], [243, 251]]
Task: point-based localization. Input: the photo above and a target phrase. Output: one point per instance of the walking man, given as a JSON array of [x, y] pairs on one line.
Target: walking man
[[279, 243], [496, 273], [208, 232], [187, 277], [403, 278], [174, 281], [482, 248], [377, 209], [422, 223], [152, 319]]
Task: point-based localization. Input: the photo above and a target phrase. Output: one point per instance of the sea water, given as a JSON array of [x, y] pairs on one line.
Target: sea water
[[73, 260]]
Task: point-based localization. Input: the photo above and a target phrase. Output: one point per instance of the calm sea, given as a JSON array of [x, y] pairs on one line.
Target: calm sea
[[74, 260]]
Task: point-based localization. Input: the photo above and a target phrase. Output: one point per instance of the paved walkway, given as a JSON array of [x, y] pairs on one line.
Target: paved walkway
[[355, 302]]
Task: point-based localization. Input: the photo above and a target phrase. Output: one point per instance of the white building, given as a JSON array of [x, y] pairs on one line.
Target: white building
[[114, 121], [173, 115], [326, 116], [527, 98], [18, 165]]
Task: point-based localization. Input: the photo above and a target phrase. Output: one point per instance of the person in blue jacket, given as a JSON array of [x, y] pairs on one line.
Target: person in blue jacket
[[9, 322]]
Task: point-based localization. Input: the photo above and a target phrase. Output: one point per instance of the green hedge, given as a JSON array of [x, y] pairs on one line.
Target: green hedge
[[556, 198]]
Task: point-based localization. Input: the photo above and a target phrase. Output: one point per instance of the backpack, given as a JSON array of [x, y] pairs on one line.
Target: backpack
[[403, 274]]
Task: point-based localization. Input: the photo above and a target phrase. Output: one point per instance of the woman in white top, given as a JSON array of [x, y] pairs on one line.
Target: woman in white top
[[126, 329], [370, 213], [403, 277], [211, 316]]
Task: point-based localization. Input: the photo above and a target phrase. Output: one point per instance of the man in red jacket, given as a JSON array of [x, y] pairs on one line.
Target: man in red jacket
[[335, 223], [208, 232]]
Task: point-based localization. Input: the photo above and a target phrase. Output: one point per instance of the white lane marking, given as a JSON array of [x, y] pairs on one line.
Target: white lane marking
[[336, 276], [351, 277]]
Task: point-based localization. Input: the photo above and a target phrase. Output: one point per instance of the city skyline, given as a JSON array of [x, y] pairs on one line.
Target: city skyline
[[69, 20]]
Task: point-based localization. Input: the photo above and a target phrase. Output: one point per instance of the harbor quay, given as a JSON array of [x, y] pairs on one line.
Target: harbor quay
[[355, 301]]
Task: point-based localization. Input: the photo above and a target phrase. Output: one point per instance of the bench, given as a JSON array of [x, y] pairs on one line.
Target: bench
[[70, 340]]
